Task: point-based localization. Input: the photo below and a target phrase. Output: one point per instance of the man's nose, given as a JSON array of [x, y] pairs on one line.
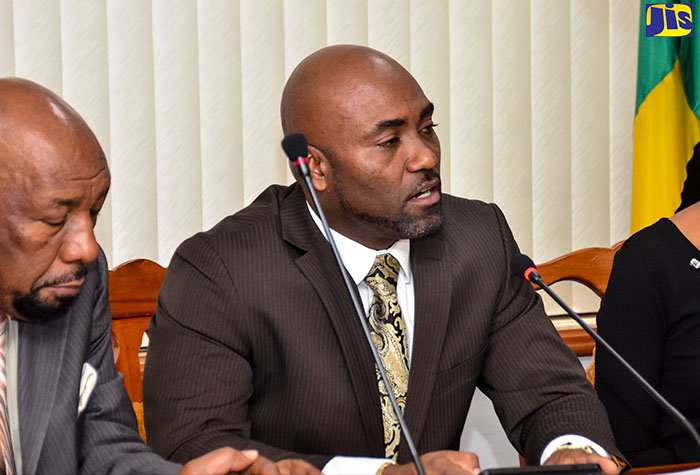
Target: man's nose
[[424, 155], [80, 244]]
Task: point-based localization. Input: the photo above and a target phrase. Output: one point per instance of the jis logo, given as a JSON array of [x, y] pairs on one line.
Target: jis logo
[[669, 19]]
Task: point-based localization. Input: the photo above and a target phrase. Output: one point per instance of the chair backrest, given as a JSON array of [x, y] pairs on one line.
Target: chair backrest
[[591, 267], [133, 294]]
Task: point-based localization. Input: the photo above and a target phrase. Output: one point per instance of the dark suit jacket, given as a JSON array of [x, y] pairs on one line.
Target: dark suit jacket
[[54, 438], [256, 343]]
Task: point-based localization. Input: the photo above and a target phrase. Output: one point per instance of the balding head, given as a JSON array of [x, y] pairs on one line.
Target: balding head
[[33, 120], [53, 181], [371, 143], [324, 84]]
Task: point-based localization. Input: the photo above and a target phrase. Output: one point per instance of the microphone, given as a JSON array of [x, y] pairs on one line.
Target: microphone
[[297, 149], [522, 266]]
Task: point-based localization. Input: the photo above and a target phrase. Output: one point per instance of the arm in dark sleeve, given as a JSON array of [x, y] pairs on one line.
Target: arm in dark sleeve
[[110, 438], [537, 385], [631, 320], [199, 372]]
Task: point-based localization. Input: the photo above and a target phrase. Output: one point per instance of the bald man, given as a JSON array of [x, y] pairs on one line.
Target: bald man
[[63, 406], [253, 314]]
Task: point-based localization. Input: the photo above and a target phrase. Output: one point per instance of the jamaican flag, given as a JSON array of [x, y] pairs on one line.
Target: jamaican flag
[[666, 173]]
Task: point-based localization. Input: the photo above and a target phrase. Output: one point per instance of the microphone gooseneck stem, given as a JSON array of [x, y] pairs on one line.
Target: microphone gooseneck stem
[[359, 309], [536, 278]]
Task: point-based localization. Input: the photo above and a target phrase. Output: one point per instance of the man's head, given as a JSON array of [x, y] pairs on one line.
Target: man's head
[[374, 156], [53, 182]]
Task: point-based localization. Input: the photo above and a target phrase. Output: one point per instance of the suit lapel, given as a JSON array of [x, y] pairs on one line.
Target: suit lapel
[[319, 267], [41, 350], [432, 285]]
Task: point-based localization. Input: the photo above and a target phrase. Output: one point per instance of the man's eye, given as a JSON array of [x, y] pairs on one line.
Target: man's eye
[[56, 223], [389, 143], [430, 129]]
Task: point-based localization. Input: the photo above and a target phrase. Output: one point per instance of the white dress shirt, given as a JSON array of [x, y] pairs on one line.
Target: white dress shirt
[[359, 260]]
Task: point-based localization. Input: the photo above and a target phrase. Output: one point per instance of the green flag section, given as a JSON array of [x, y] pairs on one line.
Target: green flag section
[[666, 124]]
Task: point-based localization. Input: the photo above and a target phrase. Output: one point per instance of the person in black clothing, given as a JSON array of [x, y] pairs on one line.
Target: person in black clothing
[[651, 316], [691, 187]]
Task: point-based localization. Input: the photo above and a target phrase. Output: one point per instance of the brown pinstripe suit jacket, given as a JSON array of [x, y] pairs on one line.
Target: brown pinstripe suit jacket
[[256, 344]]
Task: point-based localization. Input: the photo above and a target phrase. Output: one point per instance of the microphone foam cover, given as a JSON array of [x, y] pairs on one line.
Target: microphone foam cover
[[295, 146], [519, 264]]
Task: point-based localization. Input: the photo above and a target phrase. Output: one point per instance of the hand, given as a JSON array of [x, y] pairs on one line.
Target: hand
[[569, 456], [226, 460], [444, 461], [294, 467]]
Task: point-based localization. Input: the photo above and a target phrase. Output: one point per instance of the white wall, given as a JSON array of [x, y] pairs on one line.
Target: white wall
[[535, 101]]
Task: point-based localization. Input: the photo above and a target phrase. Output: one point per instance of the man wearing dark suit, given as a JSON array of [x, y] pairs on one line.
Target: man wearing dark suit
[[255, 315], [63, 406]]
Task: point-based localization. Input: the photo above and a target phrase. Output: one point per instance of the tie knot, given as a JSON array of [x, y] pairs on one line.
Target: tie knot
[[384, 271]]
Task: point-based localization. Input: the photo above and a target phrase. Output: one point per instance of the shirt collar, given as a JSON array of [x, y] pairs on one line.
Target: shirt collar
[[359, 259]]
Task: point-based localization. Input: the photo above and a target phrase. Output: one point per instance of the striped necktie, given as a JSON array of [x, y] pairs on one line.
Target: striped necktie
[[8, 463], [389, 336]]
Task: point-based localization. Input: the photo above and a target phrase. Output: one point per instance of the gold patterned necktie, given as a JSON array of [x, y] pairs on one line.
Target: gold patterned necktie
[[389, 337], [7, 459]]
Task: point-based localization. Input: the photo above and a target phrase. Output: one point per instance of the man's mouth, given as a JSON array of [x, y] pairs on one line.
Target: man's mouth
[[422, 195], [67, 289], [429, 192]]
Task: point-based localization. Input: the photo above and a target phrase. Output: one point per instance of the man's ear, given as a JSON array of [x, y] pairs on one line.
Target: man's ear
[[319, 169]]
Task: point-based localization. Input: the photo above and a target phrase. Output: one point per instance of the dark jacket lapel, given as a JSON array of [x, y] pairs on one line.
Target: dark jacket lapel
[[432, 285], [41, 350], [319, 267]]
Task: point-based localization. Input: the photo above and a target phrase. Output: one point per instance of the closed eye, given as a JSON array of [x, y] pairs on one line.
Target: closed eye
[[55, 223], [389, 143]]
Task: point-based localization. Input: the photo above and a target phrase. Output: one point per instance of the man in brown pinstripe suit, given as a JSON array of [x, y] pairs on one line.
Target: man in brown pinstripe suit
[[255, 342]]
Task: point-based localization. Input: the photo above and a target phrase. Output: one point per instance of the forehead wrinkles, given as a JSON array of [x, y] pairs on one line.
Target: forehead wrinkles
[[35, 168], [11, 174], [357, 110], [15, 189], [44, 143]]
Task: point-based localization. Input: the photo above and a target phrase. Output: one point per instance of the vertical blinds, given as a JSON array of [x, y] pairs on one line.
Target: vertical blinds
[[535, 101]]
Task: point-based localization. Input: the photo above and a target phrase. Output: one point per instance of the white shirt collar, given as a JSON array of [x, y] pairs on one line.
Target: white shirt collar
[[359, 259]]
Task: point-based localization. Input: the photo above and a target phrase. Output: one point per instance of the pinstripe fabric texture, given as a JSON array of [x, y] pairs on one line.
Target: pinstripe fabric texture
[[54, 438], [8, 463], [252, 315]]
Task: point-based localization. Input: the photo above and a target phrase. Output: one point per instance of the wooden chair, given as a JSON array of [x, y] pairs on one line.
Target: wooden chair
[[591, 267], [133, 293]]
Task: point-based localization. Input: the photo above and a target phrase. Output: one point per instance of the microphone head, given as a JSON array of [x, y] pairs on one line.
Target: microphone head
[[295, 146], [522, 266]]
